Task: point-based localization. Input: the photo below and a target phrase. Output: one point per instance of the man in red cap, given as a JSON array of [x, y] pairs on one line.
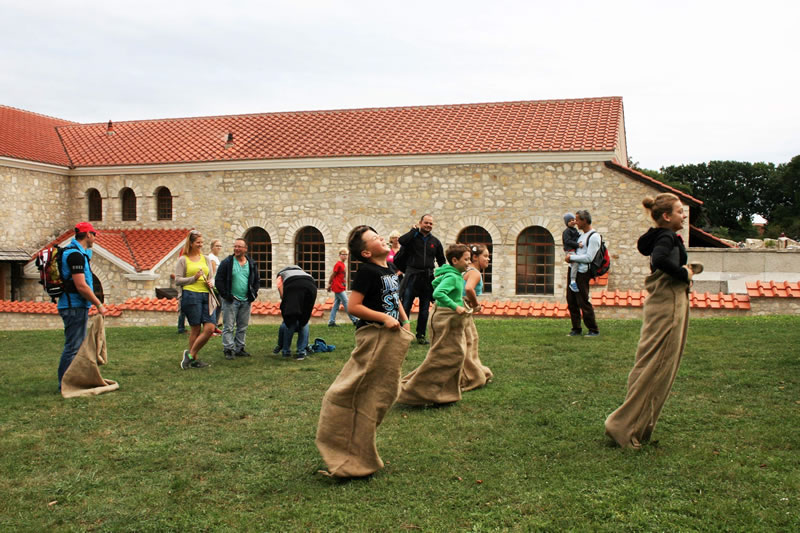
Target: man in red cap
[[78, 296]]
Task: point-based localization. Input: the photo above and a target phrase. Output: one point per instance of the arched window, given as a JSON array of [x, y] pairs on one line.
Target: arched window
[[164, 204], [128, 200], [259, 247], [535, 261], [309, 253], [478, 235], [95, 204]]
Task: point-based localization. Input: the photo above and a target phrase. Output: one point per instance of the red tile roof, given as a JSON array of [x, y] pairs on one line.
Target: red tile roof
[[31, 136], [140, 248], [708, 300], [600, 281], [652, 181], [772, 289], [47, 308], [719, 243], [590, 124]]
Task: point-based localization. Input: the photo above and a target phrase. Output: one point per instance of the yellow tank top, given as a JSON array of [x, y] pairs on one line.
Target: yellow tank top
[[191, 269]]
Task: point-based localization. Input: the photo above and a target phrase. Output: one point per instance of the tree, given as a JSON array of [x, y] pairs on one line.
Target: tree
[[782, 201], [731, 191]]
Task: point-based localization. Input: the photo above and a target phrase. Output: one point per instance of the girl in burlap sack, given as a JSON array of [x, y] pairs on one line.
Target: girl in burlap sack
[[365, 389], [663, 335], [438, 379], [474, 374]]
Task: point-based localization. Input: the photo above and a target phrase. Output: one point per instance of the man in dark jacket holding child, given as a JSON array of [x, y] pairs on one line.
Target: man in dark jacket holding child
[[237, 282]]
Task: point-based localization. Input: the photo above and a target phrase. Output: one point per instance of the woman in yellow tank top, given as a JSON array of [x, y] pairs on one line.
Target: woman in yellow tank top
[[195, 274]]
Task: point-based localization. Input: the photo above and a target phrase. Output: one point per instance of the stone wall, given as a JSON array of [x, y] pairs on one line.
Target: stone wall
[[504, 199], [728, 270]]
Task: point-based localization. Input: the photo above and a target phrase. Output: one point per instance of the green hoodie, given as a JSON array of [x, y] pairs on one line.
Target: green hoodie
[[448, 287]]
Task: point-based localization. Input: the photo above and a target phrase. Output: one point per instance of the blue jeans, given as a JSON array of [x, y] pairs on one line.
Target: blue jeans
[[424, 307], [235, 313], [285, 334], [181, 319], [75, 321], [340, 298]]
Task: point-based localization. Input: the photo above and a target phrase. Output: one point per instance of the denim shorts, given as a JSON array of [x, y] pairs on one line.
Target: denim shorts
[[195, 306]]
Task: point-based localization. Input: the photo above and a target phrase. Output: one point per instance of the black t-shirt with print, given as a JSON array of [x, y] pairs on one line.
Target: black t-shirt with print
[[379, 287]]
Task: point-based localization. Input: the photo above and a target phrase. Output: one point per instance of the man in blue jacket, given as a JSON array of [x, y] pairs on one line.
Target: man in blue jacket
[[237, 282], [78, 296]]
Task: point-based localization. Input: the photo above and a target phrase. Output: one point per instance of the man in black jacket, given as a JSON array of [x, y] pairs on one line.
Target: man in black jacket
[[420, 250], [237, 282]]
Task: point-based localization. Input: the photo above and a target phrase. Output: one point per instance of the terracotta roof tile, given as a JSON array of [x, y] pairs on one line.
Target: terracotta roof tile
[[600, 280], [772, 289], [31, 136], [708, 300], [652, 181], [590, 124], [140, 248]]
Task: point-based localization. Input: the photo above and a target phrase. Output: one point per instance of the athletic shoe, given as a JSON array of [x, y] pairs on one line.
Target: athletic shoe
[[574, 287], [186, 361], [574, 333], [300, 356], [197, 363], [276, 350], [592, 334], [228, 354], [286, 354], [242, 353], [333, 325], [422, 340]]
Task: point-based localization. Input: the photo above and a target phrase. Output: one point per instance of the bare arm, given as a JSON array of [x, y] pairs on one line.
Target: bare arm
[[472, 278]]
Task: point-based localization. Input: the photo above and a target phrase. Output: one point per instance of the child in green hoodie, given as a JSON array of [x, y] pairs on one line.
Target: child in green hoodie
[[438, 379]]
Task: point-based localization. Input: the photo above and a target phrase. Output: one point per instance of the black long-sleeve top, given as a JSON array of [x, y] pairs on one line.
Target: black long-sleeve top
[[667, 252]]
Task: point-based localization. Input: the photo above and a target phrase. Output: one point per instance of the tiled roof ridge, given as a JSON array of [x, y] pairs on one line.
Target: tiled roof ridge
[[346, 110], [42, 115], [710, 236], [130, 250], [642, 176]]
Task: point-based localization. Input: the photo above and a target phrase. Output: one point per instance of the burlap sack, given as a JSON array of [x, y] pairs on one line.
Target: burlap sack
[[474, 374], [356, 402], [663, 336], [438, 378], [83, 378]]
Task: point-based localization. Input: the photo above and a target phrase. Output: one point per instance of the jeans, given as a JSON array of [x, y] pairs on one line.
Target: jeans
[[235, 313], [75, 321], [181, 319], [340, 298], [287, 331], [424, 307]]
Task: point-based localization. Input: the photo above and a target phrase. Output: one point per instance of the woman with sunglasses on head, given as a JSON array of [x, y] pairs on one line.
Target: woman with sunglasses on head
[[194, 273]]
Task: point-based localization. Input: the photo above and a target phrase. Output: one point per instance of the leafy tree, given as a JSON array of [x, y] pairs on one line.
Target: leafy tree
[[782, 201]]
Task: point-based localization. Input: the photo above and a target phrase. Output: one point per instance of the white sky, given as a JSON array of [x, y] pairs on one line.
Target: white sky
[[700, 80]]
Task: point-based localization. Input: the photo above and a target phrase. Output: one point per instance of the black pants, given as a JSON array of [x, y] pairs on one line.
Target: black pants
[[581, 303]]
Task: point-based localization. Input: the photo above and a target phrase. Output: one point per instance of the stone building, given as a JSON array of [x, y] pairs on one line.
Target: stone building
[[296, 184]]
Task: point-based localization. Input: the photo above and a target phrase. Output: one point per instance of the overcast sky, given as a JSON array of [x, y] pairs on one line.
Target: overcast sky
[[699, 80]]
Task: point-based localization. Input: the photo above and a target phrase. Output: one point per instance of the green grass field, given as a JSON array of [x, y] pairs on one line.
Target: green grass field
[[231, 447]]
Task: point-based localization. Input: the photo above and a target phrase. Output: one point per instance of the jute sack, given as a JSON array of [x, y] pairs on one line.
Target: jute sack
[[83, 378], [438, 378], [474, 374], [356, 402], [663, 336]]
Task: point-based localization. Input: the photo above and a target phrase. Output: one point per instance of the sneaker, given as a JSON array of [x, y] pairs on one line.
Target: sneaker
[[592, 334], [228, 354], [574, 333], [276, 350], [422, 340], [333, 325], [286, 354], [242, 353], [181, 331], [574, 287], [197, 363], [300, 356], [216, 333], [186, 361]]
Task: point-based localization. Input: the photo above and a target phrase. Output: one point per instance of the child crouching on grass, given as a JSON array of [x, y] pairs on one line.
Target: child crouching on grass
[[438, 379], [365, 389]]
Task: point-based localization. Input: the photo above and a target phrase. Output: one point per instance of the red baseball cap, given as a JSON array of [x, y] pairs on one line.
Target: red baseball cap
[[84, 227]]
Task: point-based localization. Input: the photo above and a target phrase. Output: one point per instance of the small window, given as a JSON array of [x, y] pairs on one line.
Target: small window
[[128, 199], [309, 253], [164, 204], [95, 205], [535, 261], [478, 235], [259, 248]]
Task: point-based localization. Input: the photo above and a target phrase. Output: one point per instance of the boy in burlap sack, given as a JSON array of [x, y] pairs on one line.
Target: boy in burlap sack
[[474, 374], [666, 319], [438, 379], [365, 389]]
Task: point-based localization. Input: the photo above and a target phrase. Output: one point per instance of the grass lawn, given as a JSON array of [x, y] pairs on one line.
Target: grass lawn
[[231, 447]]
